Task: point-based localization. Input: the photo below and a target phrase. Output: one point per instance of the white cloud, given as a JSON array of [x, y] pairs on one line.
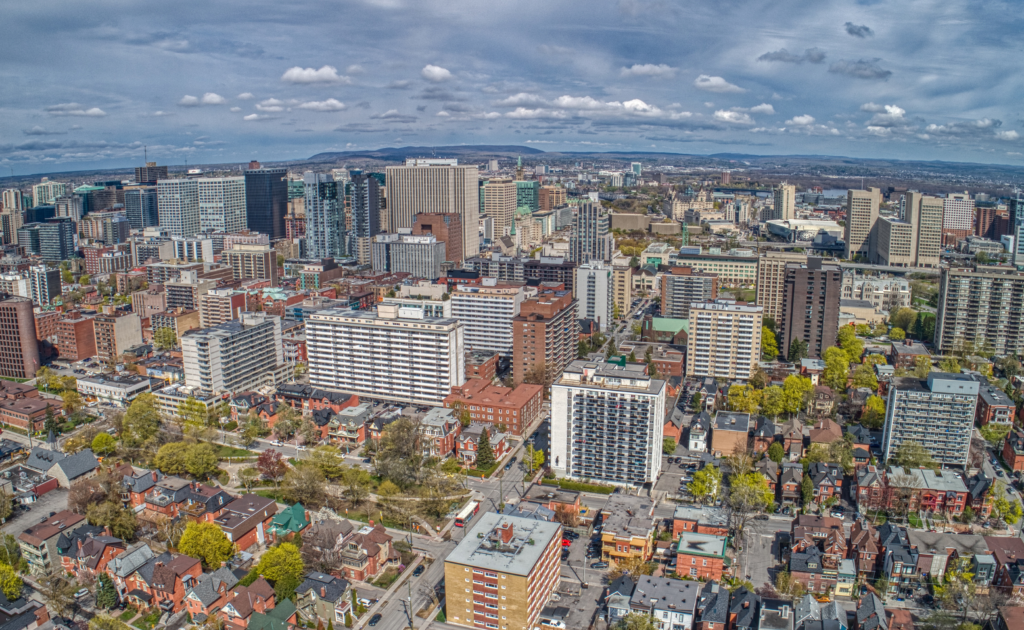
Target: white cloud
[[443, 114], [160, 113], [800, 121], [270, 105], [435, 74], [236, 109], [330, 105], [252, 117], [737, 118], [659, 71], [892, 115], [581, 102], [872, 107], [716, 84], [189, 101], [213, 99], [354, 69], [74, 109], [489, 115], [763, 108], [879, 131], [523, 98], [245, 96], [326, 74], [522, 112], [1009, 134]]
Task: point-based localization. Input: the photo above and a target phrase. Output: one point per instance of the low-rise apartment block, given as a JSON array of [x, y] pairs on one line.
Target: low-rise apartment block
[[515, 408]]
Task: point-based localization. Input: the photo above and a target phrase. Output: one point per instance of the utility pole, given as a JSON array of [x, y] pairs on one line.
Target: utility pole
[[408, 583]]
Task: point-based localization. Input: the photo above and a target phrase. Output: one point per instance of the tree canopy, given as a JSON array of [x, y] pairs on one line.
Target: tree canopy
[[207, 542]]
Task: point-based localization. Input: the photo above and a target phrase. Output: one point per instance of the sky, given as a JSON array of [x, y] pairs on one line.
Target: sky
[[89, 83]]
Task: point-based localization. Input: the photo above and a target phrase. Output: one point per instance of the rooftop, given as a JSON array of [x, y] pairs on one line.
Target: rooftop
[[702, 544], [508, 544]]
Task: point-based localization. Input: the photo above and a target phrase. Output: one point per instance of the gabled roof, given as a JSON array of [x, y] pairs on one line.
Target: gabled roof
[[327, 587], [871, 613], [207, 589], [246, 596], [276, 619], [765, 428], [713, 604], [130, 560], [43, 459], [861, 434], [81, 463], [768, 468], [826, 432], [291, 518], [745, 605]]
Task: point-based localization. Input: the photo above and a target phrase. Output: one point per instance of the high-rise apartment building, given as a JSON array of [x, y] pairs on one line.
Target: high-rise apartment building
[[12, 200], [957, 218], [937, 413], [724, 339], [325, 217], [187, 289], [177, 202], [1016, 229], [235, 356], [19, 350], [109, 226], [72, 206], [810, 306], [607, 421], [252, 262], [366, 205], [500, 204], [390, 355], [75, 337], [150, 173], [861, 217], [44, 284], [434, 185], [140, 205], [194, 249], [266, 199], [10, 222], [915, 240], [771, 280], [622, 284], [422, 256], [594, 294], [784, 202], [446, 227], [550, 197], [515, 269], [590, 238], [116, 332], [46, 192], [503, 572], [983, 307], [681, 286], [218, 306], [222, 204], [53, 240], [487, 311], [545, 335]]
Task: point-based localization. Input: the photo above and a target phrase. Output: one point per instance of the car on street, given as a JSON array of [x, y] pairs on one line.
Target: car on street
[[566, 542], [418, 571], [82, 592], [599, 565], [277, 443], [761, 517], [374, 620]]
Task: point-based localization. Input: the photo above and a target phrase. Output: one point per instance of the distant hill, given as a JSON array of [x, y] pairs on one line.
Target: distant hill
[[399, 154]]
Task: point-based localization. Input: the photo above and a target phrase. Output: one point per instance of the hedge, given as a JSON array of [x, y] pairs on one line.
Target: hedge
[[578, 486]]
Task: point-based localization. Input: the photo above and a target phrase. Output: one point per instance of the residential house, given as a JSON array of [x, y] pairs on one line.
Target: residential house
[[710, 394], [813, 570], [307, 399], [712, 607], [68, 470], [983, 566], [675, 420], [209, 594], [864, 548], [468, 443], [744, 610], [860, 435], [86, 552], [627, 528], [812, 369], [669, 603], [1009, 618], [923, 489], [162, 582], [810, 614], [439, 429], [776, 614], [770, 471], [826, 480], [245, 601], [792, 435], [38, 543], [1006, 550], [282, 617], [822, 532], [173, 497], [553, 498], [701, 555], [823, 401], [125, 564], [900, 566], [764, 434], [700, 519], [994, 406], [323, 596], [900, 619], [697, 436], [870, 490], [23, 614], [870, 614], [289, 521], [1013, 450], [246, 519], [730, 433], [979, 497], [247, 403], [825, 432], [367, 552], [904, 353], [940, 551], [617, 599], [347, 428]]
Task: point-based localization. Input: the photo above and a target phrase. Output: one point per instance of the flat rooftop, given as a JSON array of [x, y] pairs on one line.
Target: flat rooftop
[[483, 546]]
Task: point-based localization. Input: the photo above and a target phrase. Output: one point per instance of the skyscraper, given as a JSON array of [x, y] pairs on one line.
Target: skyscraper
[[71, 206], [46, 192], [325, 220], [19, 350], [365, 196], [861, 217], [222, 204], [771, 281], [590, 239], [447, 228], [500, 204], [45, 284], [140, 206], [937, 413], [724, 339], [434, 185], [637, 169], [810, 306], [784, 207], [957, 218], [177, 203], [915, 240], [528, 195], [980, 307], [1017, 230], [681, 286], [266, 199], [150, 173], [12, 200], [595, 293], [54, 240]]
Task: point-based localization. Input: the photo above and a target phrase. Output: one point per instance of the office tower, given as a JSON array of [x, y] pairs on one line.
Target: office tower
[[235, 356], [46, 192], [178, 206], [366, 204], [487, 311], [916, 240], [45, 284], [408, 358], [220, 305], [681, 286], [446, 227], [957, 218], [54, 240], [550, 197], [594, 294], [861, 217], [116, 332], [771, 281], [111, 227], [140, 207], [150, 174], [528, 195], [19, 350], [267, 191], [12, 200], [546, 334], [980, 307], [590, 238], [622, 284], [434, 185], [10, 222], [71, 206], [724, 339], [325, 220], [252, 262], [222, 204], [500, 204], [637, 169], [507, 555], [937, 413], [422, 256], [810, 306], [784, 206], [607, 420]]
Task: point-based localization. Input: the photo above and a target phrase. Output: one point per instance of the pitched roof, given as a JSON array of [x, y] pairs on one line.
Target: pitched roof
[[327, 587], [826, 432], [713, 603], [745, 605], [871, 613], [207, 589], [246, 596], [43, 459], [79, 464], [276, 619], [291, 518], [130, 560]]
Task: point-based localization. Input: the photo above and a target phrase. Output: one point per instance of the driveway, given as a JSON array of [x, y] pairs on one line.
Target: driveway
[[52, 501]]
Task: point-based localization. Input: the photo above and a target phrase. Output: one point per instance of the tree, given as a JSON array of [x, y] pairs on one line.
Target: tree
[[582, 349], [850, 344], [772, 401], [776, 453], [104, 444], [120, 520], [913, 454], [744, 398], [807, 490], [994, 433], [355, 483], [165, 338], [705, 485], [769, 347], [864, 376], [207, 542], [248, 477], [271, 465], [795, 392], [170, 459], [695, 402], [58, 592], [924, 328], [897, 334], [797, 350], [52, 424], [142, 420], [922, 366], [633, 566], [949, 364], [328, 460], [106, 593], [200, 460], [280, 562], [863, 330], [308, 431], [879, 330], [769, 323], [288, 422], [903, 318], [192, 413], [73, 402], [748, 495], [837, 367], [305, 485], [612, 350], [874, 414], [668, 445], [484, 453], [10, 582]]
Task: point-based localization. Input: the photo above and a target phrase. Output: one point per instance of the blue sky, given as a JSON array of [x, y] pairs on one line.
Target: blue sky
[[88, 83]]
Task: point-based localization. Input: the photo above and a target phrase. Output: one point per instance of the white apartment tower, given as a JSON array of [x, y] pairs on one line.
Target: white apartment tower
[[46, 192], [861, 217], [487, 311], [325, 216], [12, 200], [607, 422], [958, 214], [724, 339], [235, 356], [937, 413], [915, 240], [500, 204], [394, 354], [434, 185], [594, 292], [222, 204], [784, 206], [177, 204]]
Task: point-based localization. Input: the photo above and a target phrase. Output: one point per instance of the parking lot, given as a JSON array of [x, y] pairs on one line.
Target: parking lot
[[52, 501], [676, 472]]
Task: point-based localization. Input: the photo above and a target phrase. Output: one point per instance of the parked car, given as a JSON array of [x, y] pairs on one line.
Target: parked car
[[599, 565], [82, 592], [566, 542], [374, 620], [761, 517], [418, 571]]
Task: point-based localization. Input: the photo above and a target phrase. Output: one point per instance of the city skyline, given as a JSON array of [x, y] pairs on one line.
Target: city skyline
[[858, 80]]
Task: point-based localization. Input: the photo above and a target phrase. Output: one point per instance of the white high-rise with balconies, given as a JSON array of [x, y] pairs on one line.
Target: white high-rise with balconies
[[222, 204], [724, 339], [594, 292], [487, 312], [177, 204], [235, 356]]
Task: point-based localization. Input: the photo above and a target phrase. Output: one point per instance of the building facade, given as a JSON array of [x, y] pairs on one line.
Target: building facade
[[19, 350], [486, 312], [178, 206], [590, 238], [937, 413], [724, 339], [234, 356], [252, 262], [446, 227], [681, 286], [861, 218], [325, 217], [140, 205], [810, 306], [546, 334], [421, 256], [771, 280], [434, 185], [983, 306], [266, 199], [594, 294]]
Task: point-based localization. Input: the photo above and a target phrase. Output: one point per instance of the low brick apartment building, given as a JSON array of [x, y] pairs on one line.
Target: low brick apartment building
[[701, 555], [515, 407]]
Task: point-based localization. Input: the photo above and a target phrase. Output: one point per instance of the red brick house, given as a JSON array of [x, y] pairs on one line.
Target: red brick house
[[922, 489], [790, 479], [864, 548], [515, 407], [700, 520], [994, 406], [870, 491], [1013, 450], [307, 399], [439, 430], [209, 594], [701, 555], [243, 601], [162, 582], [249, 402], [827, 480], [820, 532], [469, 440], [764, 434], [85, 553], [246, 519], [365, 553]]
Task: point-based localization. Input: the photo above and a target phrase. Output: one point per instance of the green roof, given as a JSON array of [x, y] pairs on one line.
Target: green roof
[[276, 619], [290, 519], [668, 324]]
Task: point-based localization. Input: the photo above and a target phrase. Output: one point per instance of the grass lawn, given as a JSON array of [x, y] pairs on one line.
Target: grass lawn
[[914, 519], [147, 622], [128, 614], [579, 486], [387, 578], [270, 494], [876, 518], [231, 451], [487, 472]]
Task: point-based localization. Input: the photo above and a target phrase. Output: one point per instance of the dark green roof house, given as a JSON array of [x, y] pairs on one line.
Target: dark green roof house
[[281, 617], [291, 520]]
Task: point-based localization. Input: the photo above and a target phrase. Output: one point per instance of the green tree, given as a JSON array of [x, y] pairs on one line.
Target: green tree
[[949, 364], [903, 318], [165, 338], [106, 593], [120, 520], [773, 402], [795, 392], [10, 582], [142, 420], [248, 477], [668, 445], [874, 413], [994, 433], [632, 357], [923, 366], [695, 402], [1004, 509], [850, 344], [170, 459], [744, 398], [864, 376], [913, 454], [51, 424], [776, 452], [797, 350], [582, 349], [769, 323], [749, 494], [328, 460], [611, 351], [924, 328], [484, 452], [207, 542], [807, 490], [281, 561], [305, 485], [837, 367], [863, 330], [192, 413], [705, 484], [769, 347], [200, 460], [880, 330], [897, 334], [104, 444], [73, 402], [355, 483]]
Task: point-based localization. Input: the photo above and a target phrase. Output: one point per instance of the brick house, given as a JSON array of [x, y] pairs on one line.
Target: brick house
[[978, 495], [827, 480], [307, 399], [712, 607], [25, 412], [366, 552], [864, 548], [700, 520], [1013, 450], [347, 428], [994, 406], [123, 565], [439, 430], [323, 596], [790, 480], [243, 601], [249, 402], [162, 582], [701, 555], [469, 440], [170, 497], [822, 532], [210, 593], [770, 471], [793, 438], [869, 490], [86, 552], [823, 401], [764, 434], [815, 571], [730, 432], [922, 489], [1009, 555], [246, 520]]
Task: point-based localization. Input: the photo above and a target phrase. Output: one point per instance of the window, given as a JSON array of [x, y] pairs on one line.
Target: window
[[693, 572]]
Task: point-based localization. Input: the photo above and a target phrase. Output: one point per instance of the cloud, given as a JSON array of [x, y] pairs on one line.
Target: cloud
[[161, 113], [888, 116], [326, 74], [39, 131], [355, 69], [399, 85], [74, 109], [443, 114], [716, 84], [256, 117], [394, 116], [763, 108], [979, 128], [245, 96], [811, 55], [523, 98], [861, 69], [800, 121], [879, 131], [189, 101], [213, 99], [872, 107], [1009, 134], [435, 74], [523, 112], [659, 71], [330, 105], [860, 31], [270, 105], [236, 109], [736, 118], [548, 49]]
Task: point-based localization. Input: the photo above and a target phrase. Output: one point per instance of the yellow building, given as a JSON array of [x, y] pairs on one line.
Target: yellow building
[[627, 528]]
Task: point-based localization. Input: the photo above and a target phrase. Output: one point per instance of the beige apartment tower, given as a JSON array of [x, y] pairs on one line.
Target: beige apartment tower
[[435, 185], [861, 217], [500, 205], [784, 207], [771, 281], [916, 240], [622, 284], [724, 339]]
